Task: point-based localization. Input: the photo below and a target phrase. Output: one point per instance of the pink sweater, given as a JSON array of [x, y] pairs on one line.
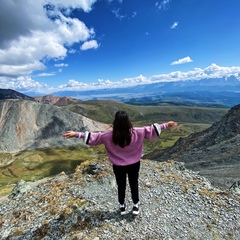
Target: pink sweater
[[129, 154]]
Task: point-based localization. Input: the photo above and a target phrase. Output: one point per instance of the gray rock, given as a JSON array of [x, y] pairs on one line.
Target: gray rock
[[235, 187], [20, 189], [30, 125]]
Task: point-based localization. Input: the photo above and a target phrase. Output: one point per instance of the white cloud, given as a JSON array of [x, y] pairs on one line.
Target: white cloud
[[136, 80], [73, 84], [89, 45], [86, 5], [182, 61], [23, 69], [32, 37], [101, 83], [120, 1], [24, 84], [72, 51], [61, 65], [72, 30], [45, 74], [134, 14], [164, 4], [175, 24], [212, 71], [117, 14]]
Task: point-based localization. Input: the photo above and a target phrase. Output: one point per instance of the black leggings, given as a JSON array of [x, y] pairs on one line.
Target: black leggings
[[121, 173]]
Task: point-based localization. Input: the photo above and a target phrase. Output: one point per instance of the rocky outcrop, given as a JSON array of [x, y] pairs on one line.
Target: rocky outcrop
[[175, 203], [30, 125], [215, 152], [20, 189]]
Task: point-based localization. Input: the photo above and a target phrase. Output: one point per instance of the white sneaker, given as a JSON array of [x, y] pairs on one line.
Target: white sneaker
[[135, 210], [123, 209]]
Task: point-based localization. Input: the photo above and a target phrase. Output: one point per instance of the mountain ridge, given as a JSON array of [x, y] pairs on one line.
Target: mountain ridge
[[12, 94], [213, 152]]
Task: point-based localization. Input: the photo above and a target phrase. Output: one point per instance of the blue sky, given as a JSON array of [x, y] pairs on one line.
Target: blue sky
[[53, 45]]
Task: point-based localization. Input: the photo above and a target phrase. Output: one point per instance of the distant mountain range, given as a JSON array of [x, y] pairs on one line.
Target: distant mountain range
[[223, 91], [211, 92]]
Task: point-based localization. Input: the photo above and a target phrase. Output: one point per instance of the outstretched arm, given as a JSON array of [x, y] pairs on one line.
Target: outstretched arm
[[92, 139], [159, 127]]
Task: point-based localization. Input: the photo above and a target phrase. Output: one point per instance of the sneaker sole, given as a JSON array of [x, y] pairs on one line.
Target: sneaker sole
[[135, 213]]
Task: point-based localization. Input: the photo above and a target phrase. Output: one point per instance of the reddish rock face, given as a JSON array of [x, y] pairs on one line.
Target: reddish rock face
[[55, 100]]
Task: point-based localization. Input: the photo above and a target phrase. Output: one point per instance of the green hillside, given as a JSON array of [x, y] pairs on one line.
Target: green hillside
[[104, 110]]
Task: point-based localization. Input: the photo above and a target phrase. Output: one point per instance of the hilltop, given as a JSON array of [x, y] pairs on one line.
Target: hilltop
[[11, 94], [55, 100], [176, 203], [104, 110], [213, 152]]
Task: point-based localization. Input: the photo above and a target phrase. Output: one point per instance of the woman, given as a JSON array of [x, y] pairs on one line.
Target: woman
[[124, 149]]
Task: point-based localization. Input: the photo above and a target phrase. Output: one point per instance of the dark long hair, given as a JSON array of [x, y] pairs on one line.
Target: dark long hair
[[122, 129]]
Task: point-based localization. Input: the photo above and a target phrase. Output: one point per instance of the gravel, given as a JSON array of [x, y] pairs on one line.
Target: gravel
[[175, 203]]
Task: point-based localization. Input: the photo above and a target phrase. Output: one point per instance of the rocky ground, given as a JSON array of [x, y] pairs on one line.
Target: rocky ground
[[176, 203]]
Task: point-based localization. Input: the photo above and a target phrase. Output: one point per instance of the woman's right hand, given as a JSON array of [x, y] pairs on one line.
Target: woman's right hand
[[69, 134]]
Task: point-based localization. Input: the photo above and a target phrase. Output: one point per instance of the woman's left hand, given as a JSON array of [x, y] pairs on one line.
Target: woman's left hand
[[172, 124]]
